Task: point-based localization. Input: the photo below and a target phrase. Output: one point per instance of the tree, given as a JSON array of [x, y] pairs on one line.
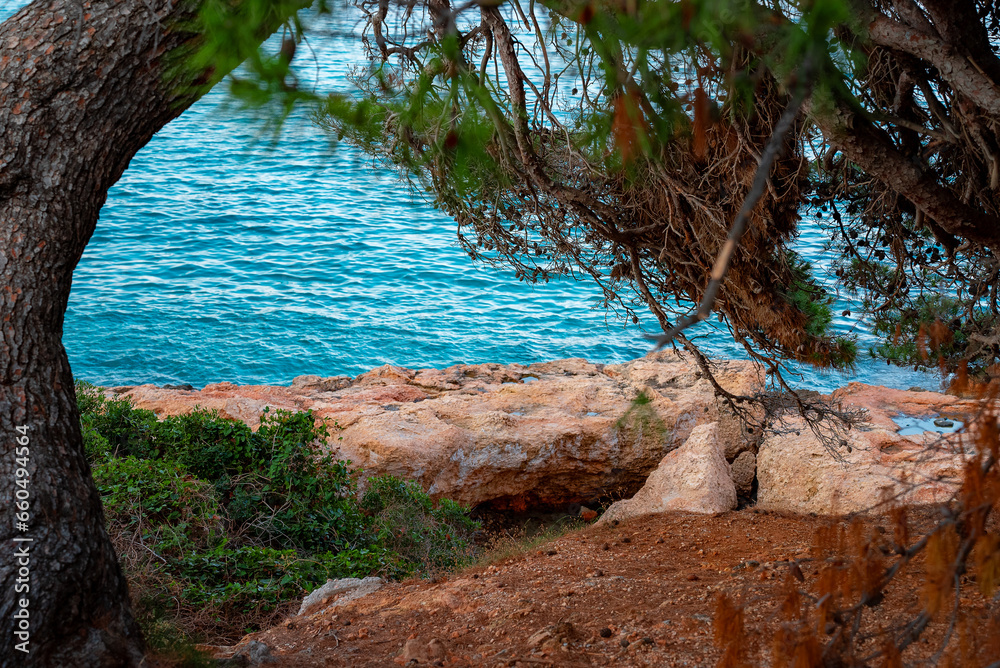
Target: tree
[[619, 140], [893, 110], [83, 86]]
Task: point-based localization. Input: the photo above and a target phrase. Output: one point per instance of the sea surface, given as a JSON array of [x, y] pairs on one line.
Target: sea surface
[[220, 256]]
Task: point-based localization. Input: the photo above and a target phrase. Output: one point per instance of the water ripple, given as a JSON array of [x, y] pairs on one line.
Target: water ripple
[[218, 258]]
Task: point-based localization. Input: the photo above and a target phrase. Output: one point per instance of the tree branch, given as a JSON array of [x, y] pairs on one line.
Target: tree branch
[[725, 257], [871, 149], [955, 68]]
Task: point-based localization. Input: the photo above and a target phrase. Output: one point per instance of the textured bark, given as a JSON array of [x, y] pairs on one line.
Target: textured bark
[[81, 91], [958, 23], [871, 149], [957, 69]]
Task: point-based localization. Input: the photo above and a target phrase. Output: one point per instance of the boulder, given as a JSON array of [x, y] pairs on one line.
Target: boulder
[[514, 436], [798, 473], [744, 470], [694, 478], [339, 592]]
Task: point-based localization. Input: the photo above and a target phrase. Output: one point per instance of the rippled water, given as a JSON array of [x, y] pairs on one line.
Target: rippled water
[[217, 258]]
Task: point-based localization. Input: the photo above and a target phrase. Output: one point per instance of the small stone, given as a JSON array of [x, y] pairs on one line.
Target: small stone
[[539, 638], [413, 650], [624, 642], [605, 632], [256, 653], [944, 423], [436, 649]]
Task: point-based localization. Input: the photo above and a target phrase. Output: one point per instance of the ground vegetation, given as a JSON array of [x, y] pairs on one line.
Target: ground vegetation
[[222, 530]]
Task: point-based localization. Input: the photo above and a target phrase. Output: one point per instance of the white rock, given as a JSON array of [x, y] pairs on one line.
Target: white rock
[[339, 592], [796, 474], [695, 478]]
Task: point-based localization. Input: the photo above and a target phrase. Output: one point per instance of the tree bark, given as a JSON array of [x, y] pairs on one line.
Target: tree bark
[[958, 70], [82, 89], [871, 149]]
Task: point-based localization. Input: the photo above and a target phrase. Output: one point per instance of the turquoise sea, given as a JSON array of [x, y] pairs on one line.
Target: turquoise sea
[[221, 258]]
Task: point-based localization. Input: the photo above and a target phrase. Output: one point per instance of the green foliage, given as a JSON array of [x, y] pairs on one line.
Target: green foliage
[[923, 335], [243, 579], [407, 522], [159, 503], [171, 645], [641, 421], [809, 297], [211, 514], [114, 426]]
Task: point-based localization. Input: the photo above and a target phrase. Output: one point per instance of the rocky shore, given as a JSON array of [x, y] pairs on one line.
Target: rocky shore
[[649, 432]]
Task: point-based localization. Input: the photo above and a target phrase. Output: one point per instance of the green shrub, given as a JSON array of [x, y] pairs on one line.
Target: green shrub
[[159, 504], [424, 538], [114, 426], [206, 444], [244, 578], [220, 528]]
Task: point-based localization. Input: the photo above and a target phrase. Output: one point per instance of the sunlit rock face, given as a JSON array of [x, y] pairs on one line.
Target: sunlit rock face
[[513, 436], [568, 431], [695, 478], [887, 460]]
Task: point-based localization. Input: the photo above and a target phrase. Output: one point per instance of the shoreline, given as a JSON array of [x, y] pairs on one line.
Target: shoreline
[[924, 374], [571, 432]]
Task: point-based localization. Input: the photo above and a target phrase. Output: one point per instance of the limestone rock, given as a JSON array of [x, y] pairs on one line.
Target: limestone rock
[[421, 653], [797, 474], [514, 435], [695, 477], [744, 469], [339, 592]]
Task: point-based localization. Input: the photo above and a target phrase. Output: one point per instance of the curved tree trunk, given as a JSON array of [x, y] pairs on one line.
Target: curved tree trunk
[[82, 89]]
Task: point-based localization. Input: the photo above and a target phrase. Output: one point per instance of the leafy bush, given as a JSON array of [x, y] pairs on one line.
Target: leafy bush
[[248, 576], [159, 504], [113, 426], [931, 331], [424, 537], [220, 527]]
